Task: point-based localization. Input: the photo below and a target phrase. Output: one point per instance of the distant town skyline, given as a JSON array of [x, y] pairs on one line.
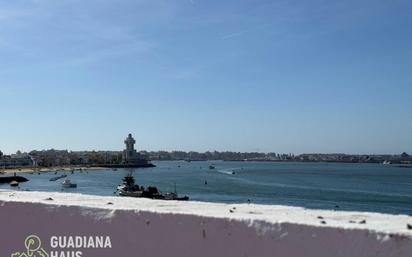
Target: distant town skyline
[[268, 76], [195, 151]]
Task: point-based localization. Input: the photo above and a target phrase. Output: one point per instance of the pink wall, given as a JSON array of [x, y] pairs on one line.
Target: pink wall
[[148, 234]]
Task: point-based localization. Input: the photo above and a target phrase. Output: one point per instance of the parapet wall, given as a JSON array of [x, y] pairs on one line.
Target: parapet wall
[[150, 228]]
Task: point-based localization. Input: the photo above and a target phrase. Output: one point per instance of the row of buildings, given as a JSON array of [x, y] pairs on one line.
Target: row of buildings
[[52, 157], [403, 158], [18, 159], [49, 158], [129, 156]]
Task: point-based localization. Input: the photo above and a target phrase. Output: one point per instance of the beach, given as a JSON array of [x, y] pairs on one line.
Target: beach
[[49, 169]]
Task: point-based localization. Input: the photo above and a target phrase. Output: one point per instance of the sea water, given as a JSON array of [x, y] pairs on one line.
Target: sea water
[[340, 186]]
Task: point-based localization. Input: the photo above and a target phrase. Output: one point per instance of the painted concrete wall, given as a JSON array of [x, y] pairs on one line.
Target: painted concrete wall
[[141, 227]]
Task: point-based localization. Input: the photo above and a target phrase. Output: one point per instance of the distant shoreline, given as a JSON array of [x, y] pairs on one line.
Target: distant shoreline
[[69, 168], [50, 169]]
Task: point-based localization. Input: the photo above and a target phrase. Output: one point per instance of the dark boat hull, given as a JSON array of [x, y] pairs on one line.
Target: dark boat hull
[[57, 178], [185, 198]]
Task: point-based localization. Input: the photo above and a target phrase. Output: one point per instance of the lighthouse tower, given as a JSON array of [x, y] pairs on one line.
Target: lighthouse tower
[[130, 156]]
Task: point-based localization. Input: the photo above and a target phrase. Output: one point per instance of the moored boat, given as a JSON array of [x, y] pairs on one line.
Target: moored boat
[[68, 184], [14, 183], [174, 196], [129, 188]]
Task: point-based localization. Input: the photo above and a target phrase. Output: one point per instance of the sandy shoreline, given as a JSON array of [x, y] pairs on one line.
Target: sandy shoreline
[[49, 169]]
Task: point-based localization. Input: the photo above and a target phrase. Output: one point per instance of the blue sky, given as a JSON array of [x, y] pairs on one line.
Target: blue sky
[[285, 76]]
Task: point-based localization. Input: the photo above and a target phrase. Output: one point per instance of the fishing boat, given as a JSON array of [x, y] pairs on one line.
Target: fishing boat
[[68, 184], [211, 167], [174, 196], [57, 178], [129, 188]]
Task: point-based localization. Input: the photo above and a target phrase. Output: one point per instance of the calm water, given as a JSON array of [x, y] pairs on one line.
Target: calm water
[[361, 187]]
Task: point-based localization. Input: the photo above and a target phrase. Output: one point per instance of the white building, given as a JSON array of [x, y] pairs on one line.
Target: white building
[[130, 156]]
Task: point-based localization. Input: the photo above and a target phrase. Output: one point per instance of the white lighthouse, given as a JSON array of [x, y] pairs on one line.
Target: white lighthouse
[[130, 156]]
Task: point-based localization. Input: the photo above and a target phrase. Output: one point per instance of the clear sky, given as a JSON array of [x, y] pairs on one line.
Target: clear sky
[[285, 76]]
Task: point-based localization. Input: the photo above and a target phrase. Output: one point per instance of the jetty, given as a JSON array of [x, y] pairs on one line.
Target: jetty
[[9, 179]]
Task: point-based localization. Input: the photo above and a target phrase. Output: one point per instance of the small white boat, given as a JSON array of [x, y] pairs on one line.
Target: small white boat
[[386, 163], [14, 183], [68, 184]]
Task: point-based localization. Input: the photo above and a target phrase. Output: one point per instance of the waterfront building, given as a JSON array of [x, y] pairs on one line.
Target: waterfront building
[[17, 160]]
